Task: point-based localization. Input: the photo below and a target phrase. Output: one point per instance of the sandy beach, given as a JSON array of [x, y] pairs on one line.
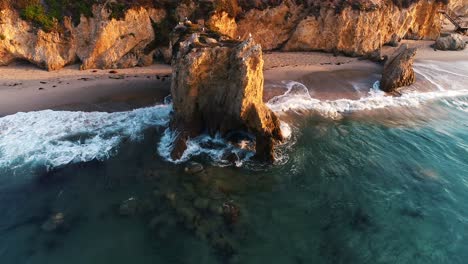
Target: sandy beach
[[24, 87]]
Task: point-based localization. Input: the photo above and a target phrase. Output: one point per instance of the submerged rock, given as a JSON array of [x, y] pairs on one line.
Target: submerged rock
[[54, 223], [129, 207], [450, 42], [218, 88], [398, 70], [193, 168]]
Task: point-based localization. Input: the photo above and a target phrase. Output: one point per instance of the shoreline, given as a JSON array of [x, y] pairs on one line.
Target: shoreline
[[34, 89], [24, 87]]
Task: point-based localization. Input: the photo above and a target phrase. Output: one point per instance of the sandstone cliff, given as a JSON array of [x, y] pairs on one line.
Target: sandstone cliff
[[109, 43], [98, 41], [20, 41], [101, 40], [217, 86], [459, 6]]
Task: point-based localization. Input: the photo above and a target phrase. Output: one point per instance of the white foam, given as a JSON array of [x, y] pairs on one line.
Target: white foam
[[459, 104], [55, 138], [286, 130], [216, 148], [297, 98]]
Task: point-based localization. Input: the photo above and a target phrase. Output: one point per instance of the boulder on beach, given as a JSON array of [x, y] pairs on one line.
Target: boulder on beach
[[450, 42], [217, 87], [398, 70]]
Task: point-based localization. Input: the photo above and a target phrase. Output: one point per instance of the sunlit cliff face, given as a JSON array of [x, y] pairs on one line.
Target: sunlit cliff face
[[138, 31]]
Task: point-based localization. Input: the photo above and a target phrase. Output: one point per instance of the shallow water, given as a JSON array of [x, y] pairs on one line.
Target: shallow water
[[371, 180]]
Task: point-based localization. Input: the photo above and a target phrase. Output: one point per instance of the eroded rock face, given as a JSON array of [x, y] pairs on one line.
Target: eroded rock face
[[218, 87], [356, 32], [19, 40], [460, 7], [398, 70], [273, 26], [353, 27], [450, 42], [98, 41], [108, 43]]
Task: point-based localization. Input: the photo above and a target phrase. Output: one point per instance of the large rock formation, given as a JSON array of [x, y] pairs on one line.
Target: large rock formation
[[359, 32], [109, 43], [102, 40], [460, 7], [398, 70], [217, 86], [450, 42], [19, 40], [98, 41]]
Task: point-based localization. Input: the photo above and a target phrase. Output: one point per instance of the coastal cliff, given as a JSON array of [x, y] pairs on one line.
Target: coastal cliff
[[460, 7], [120, 35]]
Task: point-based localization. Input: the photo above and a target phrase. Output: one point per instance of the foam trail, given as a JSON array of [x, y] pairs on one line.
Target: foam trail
[[56, 138], [297, 97]]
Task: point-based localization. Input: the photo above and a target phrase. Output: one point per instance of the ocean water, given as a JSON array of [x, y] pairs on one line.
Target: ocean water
[[372, 180]]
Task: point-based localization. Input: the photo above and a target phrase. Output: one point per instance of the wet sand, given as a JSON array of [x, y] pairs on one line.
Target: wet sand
[[24, 87]]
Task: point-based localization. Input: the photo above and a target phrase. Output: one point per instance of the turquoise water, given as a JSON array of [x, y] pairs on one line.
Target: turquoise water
[[376, 180]]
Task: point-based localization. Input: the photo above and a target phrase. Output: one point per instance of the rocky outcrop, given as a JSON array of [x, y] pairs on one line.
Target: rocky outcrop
[[450, 42], [109, 43], [398, 70], [356, 32], [273, 26], [19, 40], [217, 87], [222, 22], [460, 7], [98, 41], [353, 27]]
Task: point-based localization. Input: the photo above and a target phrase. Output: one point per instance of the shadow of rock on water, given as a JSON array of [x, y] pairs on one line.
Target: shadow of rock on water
[[207, 202], [360, 220]]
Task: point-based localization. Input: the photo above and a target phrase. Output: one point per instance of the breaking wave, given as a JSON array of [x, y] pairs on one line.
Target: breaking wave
[[216, 148], [297, 97], [55, 138]]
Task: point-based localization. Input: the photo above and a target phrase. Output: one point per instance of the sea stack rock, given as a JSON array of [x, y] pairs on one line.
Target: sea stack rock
[[398, 70], [217, 87]]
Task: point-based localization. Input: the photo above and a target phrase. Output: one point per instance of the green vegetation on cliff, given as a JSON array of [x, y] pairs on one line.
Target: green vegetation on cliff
[[48, 14]]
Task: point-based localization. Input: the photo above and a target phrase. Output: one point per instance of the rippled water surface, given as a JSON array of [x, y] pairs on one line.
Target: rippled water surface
[[372, 180]]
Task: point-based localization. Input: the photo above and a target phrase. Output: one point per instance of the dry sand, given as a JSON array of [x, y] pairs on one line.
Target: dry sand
[[24, 87]]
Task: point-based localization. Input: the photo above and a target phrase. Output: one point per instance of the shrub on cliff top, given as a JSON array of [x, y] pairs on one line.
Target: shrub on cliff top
[[36, 14]]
